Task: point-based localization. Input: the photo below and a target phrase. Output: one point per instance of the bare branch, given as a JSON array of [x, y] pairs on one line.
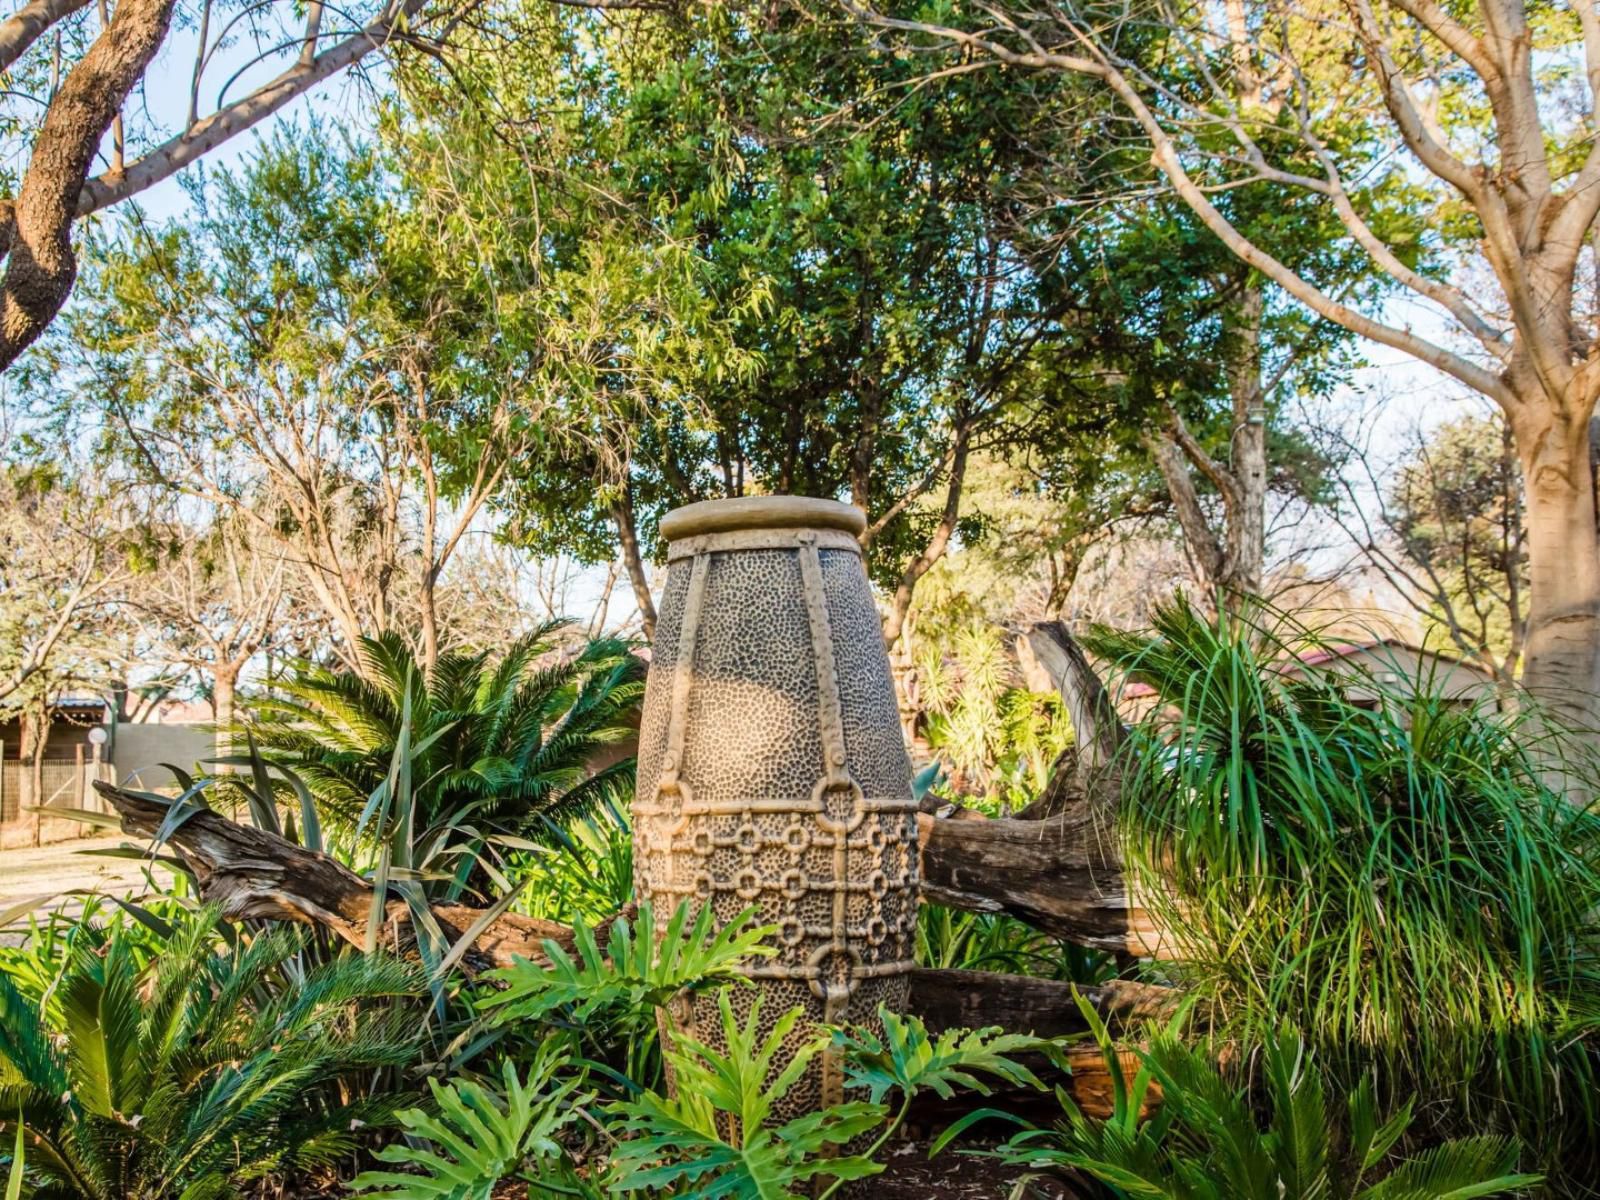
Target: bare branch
[[23, 28]]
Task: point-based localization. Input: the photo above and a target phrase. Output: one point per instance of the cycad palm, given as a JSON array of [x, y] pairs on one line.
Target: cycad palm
[[503, 744], [194, 1075], [1204, 1141]]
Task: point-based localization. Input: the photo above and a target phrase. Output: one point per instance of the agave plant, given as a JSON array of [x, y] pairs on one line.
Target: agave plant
[[200, 1072], [502, 744]]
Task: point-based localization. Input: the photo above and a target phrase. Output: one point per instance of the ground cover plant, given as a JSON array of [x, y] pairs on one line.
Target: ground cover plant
[[1206, 1139]]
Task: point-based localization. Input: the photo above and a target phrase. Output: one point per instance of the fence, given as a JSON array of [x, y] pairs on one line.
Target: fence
[[65, 784]]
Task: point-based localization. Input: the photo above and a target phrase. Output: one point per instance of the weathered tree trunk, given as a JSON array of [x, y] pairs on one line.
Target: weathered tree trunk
[[224, 689], [938, 542], [1061, 875], [428, 614], [1232, 562], [34, 730], [250, 873], [1562, 664]]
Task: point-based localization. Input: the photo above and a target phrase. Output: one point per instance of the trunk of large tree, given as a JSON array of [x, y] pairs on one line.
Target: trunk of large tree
[[894, 621], [34, 729], [428, 608], [1562, 664], [36, 228], [224, 688], [1230, 562]]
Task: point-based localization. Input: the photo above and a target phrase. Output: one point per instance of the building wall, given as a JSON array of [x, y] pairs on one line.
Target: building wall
[[1401, 668], [139, 751]]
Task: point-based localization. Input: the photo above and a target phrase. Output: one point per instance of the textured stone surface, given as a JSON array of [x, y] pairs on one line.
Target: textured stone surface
[[774, 776]]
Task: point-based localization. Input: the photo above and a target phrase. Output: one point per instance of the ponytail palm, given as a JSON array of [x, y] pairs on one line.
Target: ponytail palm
[[1398, 880], [501, 745]]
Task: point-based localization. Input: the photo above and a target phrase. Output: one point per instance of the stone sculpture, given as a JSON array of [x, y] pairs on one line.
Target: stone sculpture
[[772, 772]]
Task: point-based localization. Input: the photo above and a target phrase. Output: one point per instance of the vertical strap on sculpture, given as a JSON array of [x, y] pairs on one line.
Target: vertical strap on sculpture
[[668, 783], [683, 677], [829, 710], [835, 997]]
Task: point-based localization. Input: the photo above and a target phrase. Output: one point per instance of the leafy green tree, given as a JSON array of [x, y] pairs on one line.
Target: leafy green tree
[[295, 361], [1449, 108]]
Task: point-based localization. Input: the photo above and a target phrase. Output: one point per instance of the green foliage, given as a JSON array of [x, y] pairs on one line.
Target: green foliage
[[1456, 509], [999, 740], [951, 939], [201, 1072], [477, 1140], [634, 971], [589, 880], [1200, 1138], [1399, 882], [906, 1060], [715, 1138], [610, 995], [500, 744]]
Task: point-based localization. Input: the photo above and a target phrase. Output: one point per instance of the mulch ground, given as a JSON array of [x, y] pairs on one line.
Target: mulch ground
[[909, 1175]]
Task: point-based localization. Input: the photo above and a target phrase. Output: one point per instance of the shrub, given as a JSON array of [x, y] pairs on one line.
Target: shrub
[[201, 1071], [1400, 882], [503, 745], [1202, 1140]]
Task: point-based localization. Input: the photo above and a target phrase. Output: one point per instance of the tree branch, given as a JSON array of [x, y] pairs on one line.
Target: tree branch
[[22, 29]]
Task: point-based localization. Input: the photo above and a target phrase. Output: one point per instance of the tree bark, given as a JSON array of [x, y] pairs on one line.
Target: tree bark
[[21, 30], [1046, 1008], [224, 687], [900, 603], [36, 231], [1562, 651], [1061, 875], [33, 729], [1231, 564], [633, 558]]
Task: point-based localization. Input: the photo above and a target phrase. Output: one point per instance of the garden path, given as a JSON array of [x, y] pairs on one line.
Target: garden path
[[55, 877]]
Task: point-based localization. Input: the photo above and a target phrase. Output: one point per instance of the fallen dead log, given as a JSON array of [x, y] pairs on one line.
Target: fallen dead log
[[250, 873], [1061, 875], [1041, 870], [1047, 1008], [1056, 864]]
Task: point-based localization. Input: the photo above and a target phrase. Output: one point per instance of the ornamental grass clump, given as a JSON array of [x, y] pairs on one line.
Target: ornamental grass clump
[[1401, 880]]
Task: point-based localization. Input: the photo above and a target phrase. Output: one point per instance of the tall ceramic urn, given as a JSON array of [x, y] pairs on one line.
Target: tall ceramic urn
[[772, 772]]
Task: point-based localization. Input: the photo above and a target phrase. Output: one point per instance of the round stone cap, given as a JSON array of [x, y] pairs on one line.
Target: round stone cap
[[761, 512]]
